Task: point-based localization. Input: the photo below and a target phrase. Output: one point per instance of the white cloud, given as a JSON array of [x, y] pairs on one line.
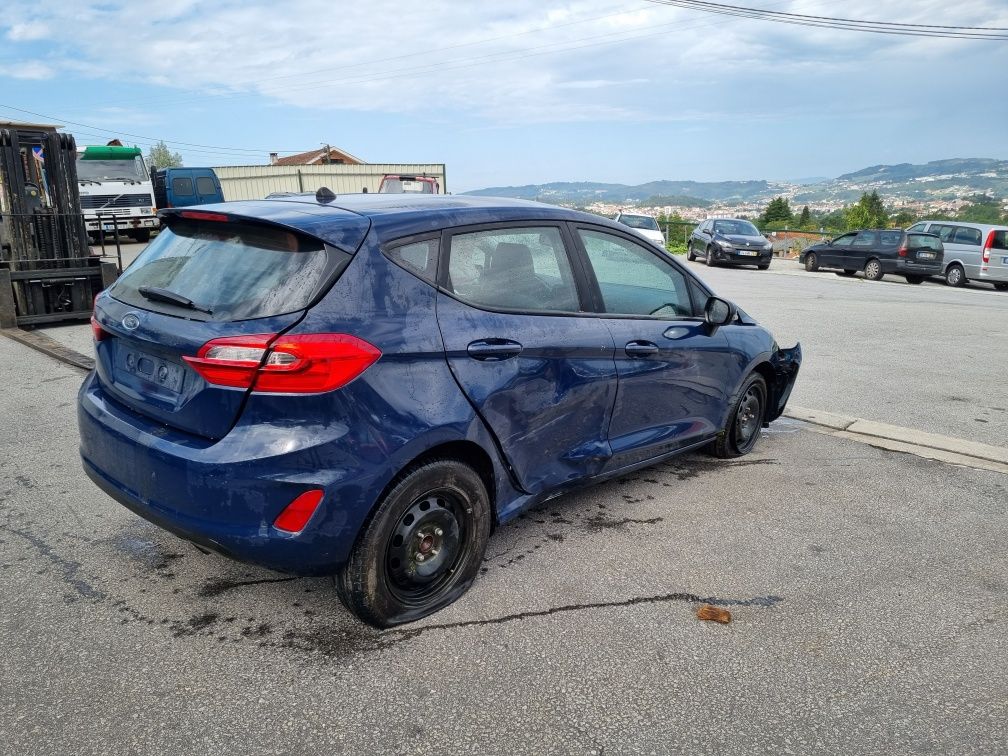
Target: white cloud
[[27, 32], [27, 69]]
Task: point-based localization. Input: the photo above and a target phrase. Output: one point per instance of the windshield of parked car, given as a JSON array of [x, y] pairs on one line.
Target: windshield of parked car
[[639, 221], [735, 228], [404, 185], [111, 170]]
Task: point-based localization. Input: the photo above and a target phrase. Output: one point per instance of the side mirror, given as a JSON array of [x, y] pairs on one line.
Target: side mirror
[[707, 231], [718, 312]]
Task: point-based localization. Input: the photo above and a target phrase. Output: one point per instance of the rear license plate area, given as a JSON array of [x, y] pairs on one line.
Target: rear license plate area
[[165, 375], [925, 255]]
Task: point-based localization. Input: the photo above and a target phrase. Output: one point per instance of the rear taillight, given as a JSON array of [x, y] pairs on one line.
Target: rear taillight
[[293, 364], [988, 245], [97, 331], [902, 252]]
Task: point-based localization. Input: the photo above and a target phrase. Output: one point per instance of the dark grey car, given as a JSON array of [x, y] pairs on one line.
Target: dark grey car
[[730, 241]]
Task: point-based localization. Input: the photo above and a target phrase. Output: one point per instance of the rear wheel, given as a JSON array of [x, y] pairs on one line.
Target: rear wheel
[[955, 275], [811, 262], [745, 422], [422, 547], [914, 279], [873, 270]]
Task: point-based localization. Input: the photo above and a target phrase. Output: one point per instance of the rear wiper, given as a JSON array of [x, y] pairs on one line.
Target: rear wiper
[[157, 294], [89, 181]]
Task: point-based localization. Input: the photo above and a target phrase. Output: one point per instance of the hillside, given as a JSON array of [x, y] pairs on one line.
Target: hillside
[[938, 180]]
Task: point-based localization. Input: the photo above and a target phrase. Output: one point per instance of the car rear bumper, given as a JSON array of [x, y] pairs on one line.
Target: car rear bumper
[[913, 268], [226, 495]]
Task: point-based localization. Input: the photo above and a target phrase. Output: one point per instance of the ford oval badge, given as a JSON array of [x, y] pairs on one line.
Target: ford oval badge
[[131, 321]]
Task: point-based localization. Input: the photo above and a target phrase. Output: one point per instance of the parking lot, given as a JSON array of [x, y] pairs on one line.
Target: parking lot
[[867, 587]]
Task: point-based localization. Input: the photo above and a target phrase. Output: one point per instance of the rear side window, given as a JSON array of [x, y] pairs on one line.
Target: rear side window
[[419, 258], [512, 269], [924, 241], [965, 235], [890, 238], [182, 186], [237, 271], [205, 185], [865, 239]]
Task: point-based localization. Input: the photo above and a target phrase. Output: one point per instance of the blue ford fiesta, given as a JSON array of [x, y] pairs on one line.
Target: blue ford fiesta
[[365, 385]]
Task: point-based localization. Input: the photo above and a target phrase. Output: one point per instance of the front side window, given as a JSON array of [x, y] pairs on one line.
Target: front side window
[[524, 269], [944, 232], [632, 280], [844, 241]]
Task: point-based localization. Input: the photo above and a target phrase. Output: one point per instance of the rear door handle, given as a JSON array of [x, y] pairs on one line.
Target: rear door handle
[[641, 348], [493, 350]]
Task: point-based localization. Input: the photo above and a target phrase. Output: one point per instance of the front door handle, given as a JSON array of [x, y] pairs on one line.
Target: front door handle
[[493, 350], [641, 348]]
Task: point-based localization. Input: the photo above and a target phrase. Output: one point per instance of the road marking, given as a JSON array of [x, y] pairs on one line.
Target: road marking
[[956, 451], [42, 343]]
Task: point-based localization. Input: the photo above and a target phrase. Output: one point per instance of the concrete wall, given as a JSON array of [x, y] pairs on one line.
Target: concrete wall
[[241, 182]]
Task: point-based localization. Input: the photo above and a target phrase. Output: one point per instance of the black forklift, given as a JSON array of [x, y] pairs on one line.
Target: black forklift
[[47, 271]]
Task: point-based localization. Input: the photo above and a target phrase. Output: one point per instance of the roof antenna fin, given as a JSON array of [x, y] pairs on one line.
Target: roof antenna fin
[[324, 195]]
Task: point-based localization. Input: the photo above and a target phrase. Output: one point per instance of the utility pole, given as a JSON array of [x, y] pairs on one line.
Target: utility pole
[[328, 152]]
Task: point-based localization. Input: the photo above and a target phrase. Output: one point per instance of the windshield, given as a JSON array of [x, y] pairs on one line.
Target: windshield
[[735, 228], [236, 271], [111, 170], [639, 221]]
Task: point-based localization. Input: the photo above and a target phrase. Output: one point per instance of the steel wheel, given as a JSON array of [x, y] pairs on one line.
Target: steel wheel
[[427, 545], [749, 417]]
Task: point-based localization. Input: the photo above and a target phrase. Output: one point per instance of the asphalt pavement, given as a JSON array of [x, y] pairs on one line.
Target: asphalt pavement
[[867, 588]]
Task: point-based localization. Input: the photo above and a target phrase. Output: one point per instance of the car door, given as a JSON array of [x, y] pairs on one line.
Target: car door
[[856, 253], [696, 238], [967, 243], [540, 374], [832, 255], [674, 374]]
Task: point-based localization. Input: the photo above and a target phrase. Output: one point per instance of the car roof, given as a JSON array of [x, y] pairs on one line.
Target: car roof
[[398, 215], [967, 224]]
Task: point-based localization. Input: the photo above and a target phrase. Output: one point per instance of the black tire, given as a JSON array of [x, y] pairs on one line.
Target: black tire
[[845, 272], [811, 262], [142, 236], [1001, 286], [955, 275], [764, 267], [914, 279], [436, 520], [709, 258], [690, 254], [873, 270], [745, 420]]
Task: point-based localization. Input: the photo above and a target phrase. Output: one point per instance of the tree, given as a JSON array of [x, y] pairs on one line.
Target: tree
[[778, 211], [868, 212], [161, 157], [805, 219], [982, 209]]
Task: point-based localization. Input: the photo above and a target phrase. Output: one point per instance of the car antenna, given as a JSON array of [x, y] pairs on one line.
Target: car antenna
[[324, 195]]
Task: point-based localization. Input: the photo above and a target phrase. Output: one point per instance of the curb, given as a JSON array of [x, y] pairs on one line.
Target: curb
[[49, 346], [897, 438]]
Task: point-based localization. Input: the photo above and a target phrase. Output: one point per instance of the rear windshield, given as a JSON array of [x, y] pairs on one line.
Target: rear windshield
[[236, 271], [924, 241], [406, 185], [1000, 240], [640, 221]]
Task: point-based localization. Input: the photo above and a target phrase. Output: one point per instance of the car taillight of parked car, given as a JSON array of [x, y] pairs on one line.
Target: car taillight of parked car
[[988, 246], [292, 364]]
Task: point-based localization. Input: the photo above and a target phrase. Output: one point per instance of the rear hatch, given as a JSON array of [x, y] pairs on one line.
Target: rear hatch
[[207, 277], [923, 249]]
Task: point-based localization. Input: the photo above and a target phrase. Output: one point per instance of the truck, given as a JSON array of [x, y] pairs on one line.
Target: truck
[[115, 192]]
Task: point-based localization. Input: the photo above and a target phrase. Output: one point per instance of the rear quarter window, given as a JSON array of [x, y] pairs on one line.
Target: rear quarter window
[[237, 271]]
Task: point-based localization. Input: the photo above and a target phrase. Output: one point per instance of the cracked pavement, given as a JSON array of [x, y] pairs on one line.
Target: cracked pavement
[[867, 588]]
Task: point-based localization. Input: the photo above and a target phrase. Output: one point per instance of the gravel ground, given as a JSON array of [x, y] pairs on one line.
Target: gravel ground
[[868, 593]]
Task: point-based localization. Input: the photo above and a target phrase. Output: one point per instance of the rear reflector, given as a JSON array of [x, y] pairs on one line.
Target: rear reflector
[[97, 331], [293, 364], [296, 514]]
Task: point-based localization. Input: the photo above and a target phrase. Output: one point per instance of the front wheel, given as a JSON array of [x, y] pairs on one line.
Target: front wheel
[[873, 270], [765, 266], [422, 547], [811, 262], [709, 258], [690, 254], [745, 421]]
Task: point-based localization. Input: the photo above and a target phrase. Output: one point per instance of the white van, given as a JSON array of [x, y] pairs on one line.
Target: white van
[[973, 251]]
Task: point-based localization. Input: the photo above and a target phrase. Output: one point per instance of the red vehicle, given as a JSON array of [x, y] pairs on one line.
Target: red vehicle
[[394, 183]]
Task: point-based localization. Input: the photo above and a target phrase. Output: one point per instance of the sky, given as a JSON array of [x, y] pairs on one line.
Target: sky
[[528, 91]]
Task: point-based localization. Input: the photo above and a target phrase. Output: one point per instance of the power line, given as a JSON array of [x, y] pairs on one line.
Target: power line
[[987, 33]]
